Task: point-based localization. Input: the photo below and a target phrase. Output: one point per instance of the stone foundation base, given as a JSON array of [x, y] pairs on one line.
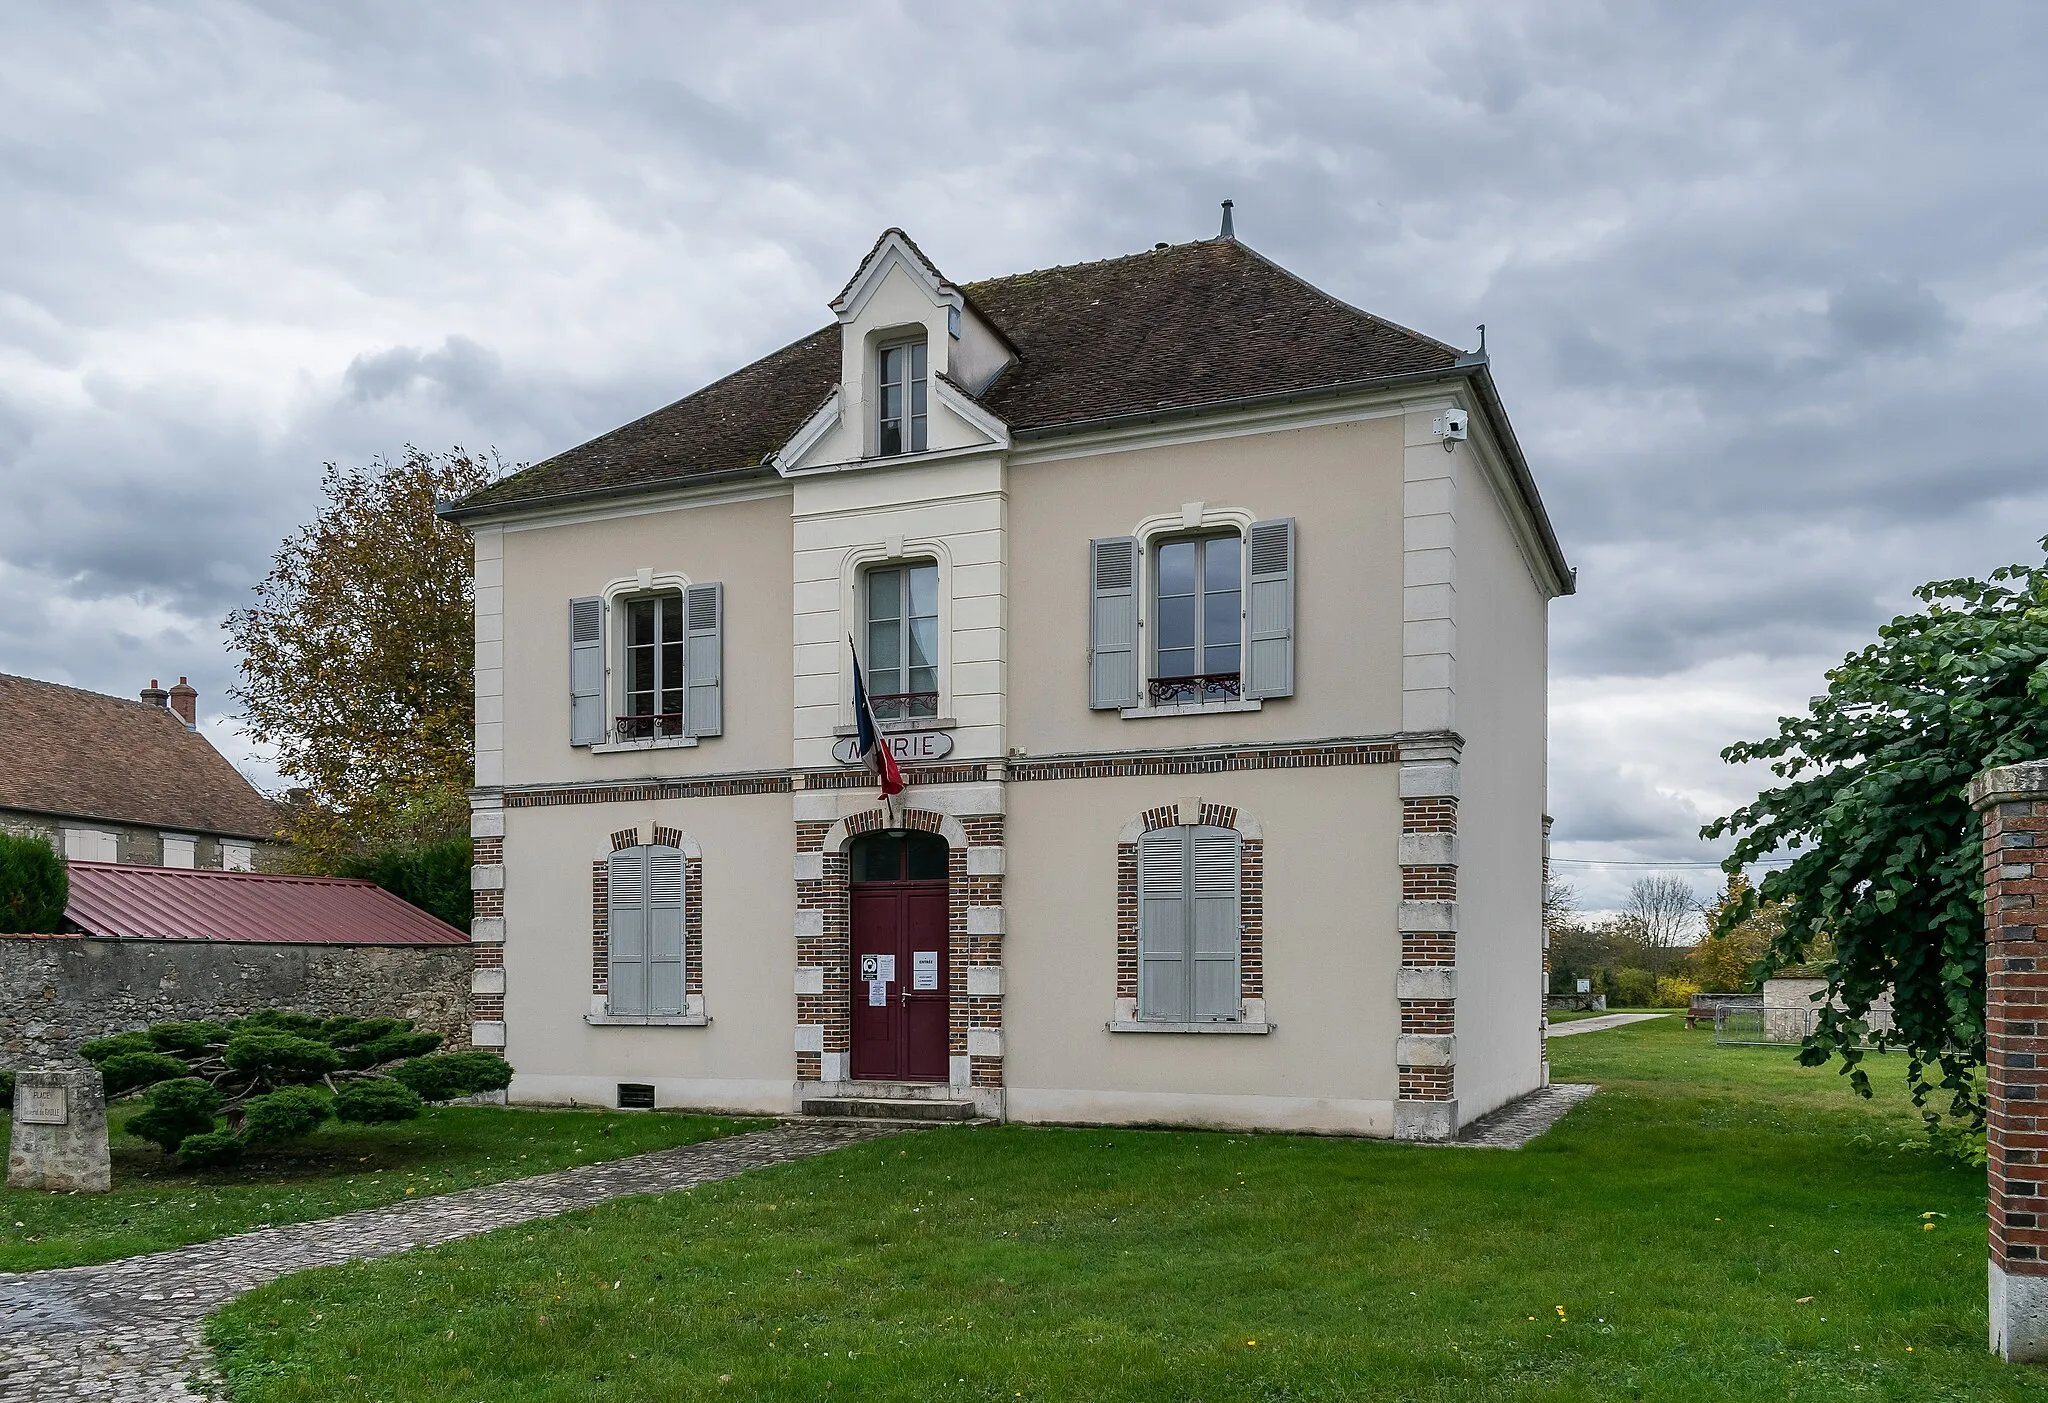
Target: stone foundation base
[[2019, 1316], [1425, 1120]]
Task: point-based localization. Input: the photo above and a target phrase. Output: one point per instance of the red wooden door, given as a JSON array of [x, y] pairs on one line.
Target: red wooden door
[[901, 1006]]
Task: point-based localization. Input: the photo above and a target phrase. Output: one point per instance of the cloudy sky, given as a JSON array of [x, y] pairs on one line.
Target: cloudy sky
[[1765, 284]]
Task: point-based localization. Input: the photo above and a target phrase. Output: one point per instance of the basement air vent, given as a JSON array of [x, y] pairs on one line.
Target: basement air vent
[[635, 1096]]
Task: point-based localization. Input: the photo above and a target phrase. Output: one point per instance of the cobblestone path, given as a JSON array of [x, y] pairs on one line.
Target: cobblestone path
[[130, 1331], [1517, 1123]]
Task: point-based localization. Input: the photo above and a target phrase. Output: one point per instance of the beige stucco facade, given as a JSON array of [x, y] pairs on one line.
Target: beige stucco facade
[[1388, 812]]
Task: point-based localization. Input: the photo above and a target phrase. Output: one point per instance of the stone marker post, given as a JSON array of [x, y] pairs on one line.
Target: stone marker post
[[60, 1133], [2014, 803]]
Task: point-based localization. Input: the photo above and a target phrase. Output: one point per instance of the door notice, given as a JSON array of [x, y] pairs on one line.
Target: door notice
[[878, 993], [924, 969]]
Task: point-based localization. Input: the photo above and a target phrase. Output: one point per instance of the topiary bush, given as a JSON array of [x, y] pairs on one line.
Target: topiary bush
[[285, 1114], [277, 1075], [34, 886], [376, 1099], [209, 1150], [175, 1110]]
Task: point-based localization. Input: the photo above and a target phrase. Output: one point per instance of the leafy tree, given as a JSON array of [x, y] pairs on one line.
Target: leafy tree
[[432, 876], [1875, 808], [277, 1075], [34, 887], [357, 657], [1731, 961]]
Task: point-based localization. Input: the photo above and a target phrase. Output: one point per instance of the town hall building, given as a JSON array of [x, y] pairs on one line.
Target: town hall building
[[1206, 617]]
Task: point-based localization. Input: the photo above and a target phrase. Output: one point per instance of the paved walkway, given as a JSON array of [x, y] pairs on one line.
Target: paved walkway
[[1600, 1025], [1517, 1123], [130, 1331]]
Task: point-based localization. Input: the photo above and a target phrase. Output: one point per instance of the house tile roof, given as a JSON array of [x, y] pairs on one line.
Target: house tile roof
[[85, 755], [1175, 328], [125, 902]]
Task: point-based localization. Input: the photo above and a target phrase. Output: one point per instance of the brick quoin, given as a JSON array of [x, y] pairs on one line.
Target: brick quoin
[[1429, 882], [2014, 804]]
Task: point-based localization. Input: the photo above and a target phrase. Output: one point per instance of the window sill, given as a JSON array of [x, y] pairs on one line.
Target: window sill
[[915, 723], [1240, 1028], [647, 1020], [627, 747], [1147, 713]]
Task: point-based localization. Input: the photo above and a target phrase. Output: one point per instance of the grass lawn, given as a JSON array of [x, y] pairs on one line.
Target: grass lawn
[[335, 1170], [1719, 1223]]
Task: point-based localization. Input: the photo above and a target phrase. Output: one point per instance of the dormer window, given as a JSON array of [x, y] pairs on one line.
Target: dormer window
[[899, 405]]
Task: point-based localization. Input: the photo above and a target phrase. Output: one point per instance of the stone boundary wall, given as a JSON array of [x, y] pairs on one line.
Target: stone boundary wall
[[60, 991]]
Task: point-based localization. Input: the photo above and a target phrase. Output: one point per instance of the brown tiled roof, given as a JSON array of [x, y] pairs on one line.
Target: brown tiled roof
[[1176, 328], [85, 755]]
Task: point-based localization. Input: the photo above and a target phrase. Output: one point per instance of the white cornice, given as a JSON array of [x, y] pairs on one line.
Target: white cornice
[[894, 251], [640, 504], [806, 438]]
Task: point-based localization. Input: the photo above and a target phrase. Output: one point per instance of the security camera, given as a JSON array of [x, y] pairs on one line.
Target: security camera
[[1453, 426]]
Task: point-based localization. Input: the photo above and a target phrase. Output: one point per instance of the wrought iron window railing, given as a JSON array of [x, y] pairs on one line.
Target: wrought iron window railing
[[1196, 687], [653, 726], [904, 706]]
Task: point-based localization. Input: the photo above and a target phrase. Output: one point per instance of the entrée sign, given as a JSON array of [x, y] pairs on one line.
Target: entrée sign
[[909, 747]]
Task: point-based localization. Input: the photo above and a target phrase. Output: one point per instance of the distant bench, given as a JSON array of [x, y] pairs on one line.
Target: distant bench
[[1708, 1005]]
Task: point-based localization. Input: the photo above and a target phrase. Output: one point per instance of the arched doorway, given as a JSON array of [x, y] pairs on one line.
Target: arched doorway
[[901, 1006]]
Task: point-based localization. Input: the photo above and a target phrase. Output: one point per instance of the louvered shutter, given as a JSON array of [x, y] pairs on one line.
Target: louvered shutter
[[704, 660], [1163, 925], [628, 931], [1269, 613], [586, 671], [664, 931], [1113, 623], [1216, 926]]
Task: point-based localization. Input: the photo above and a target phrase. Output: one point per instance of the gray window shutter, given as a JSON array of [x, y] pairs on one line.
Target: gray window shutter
[[1269, 613], [628, 931], [1215, 860], [1162, 925], [1113, 622], [664, 931], [704, 660], [586, 671]]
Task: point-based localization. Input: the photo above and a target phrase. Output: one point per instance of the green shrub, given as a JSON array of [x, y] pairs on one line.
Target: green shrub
[[432, 876], [184, 1037], [284, 1114], [280, 1057], [125, 1071], [34, 887], [7, 1089], [350, 1031], [174, 1110], [209, 1149], [278, 1020], [392, 1046], [376, 1099], [1632, 988], [100, 1049], [454, 1074]]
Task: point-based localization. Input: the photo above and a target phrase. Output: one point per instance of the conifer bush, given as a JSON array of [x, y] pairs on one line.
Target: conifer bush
[[34, 886], [212, 1090]]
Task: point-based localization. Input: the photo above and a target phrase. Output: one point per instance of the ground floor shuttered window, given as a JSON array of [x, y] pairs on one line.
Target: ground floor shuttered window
[[645, 928], [1190, 924]]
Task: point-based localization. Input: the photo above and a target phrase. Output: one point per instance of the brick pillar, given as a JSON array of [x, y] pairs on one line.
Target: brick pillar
[[1426, 984], [2014, 803], [487, 925]]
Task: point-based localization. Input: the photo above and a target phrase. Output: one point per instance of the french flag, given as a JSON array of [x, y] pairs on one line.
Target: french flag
[[874, 751]]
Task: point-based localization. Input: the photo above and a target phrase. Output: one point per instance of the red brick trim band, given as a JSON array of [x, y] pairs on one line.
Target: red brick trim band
[[1211, 762]]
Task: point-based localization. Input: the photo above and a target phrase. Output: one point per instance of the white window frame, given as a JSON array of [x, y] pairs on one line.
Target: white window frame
[[908, 342], [1193, 519], [853, 604], [88, 845], [619, 593], [865, 632]]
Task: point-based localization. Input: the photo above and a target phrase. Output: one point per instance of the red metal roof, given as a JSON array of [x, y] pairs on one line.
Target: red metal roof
[[178, 903]]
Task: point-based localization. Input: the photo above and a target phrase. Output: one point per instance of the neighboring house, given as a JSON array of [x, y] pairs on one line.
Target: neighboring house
[[109, 780], [1207, 615], [148, 944]]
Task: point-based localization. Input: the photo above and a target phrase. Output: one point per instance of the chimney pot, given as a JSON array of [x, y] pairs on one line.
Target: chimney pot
[[153, 695], [184, 700]]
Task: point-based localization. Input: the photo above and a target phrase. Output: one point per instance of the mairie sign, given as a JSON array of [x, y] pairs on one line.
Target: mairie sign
[[909, 747]]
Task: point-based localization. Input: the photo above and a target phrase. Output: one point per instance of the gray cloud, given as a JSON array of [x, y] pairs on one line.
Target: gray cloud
[[1747, 271]]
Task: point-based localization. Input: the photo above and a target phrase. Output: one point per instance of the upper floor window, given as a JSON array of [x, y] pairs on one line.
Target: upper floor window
[[1198, 613], [899, 403], [653, 646], [903, 641]]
